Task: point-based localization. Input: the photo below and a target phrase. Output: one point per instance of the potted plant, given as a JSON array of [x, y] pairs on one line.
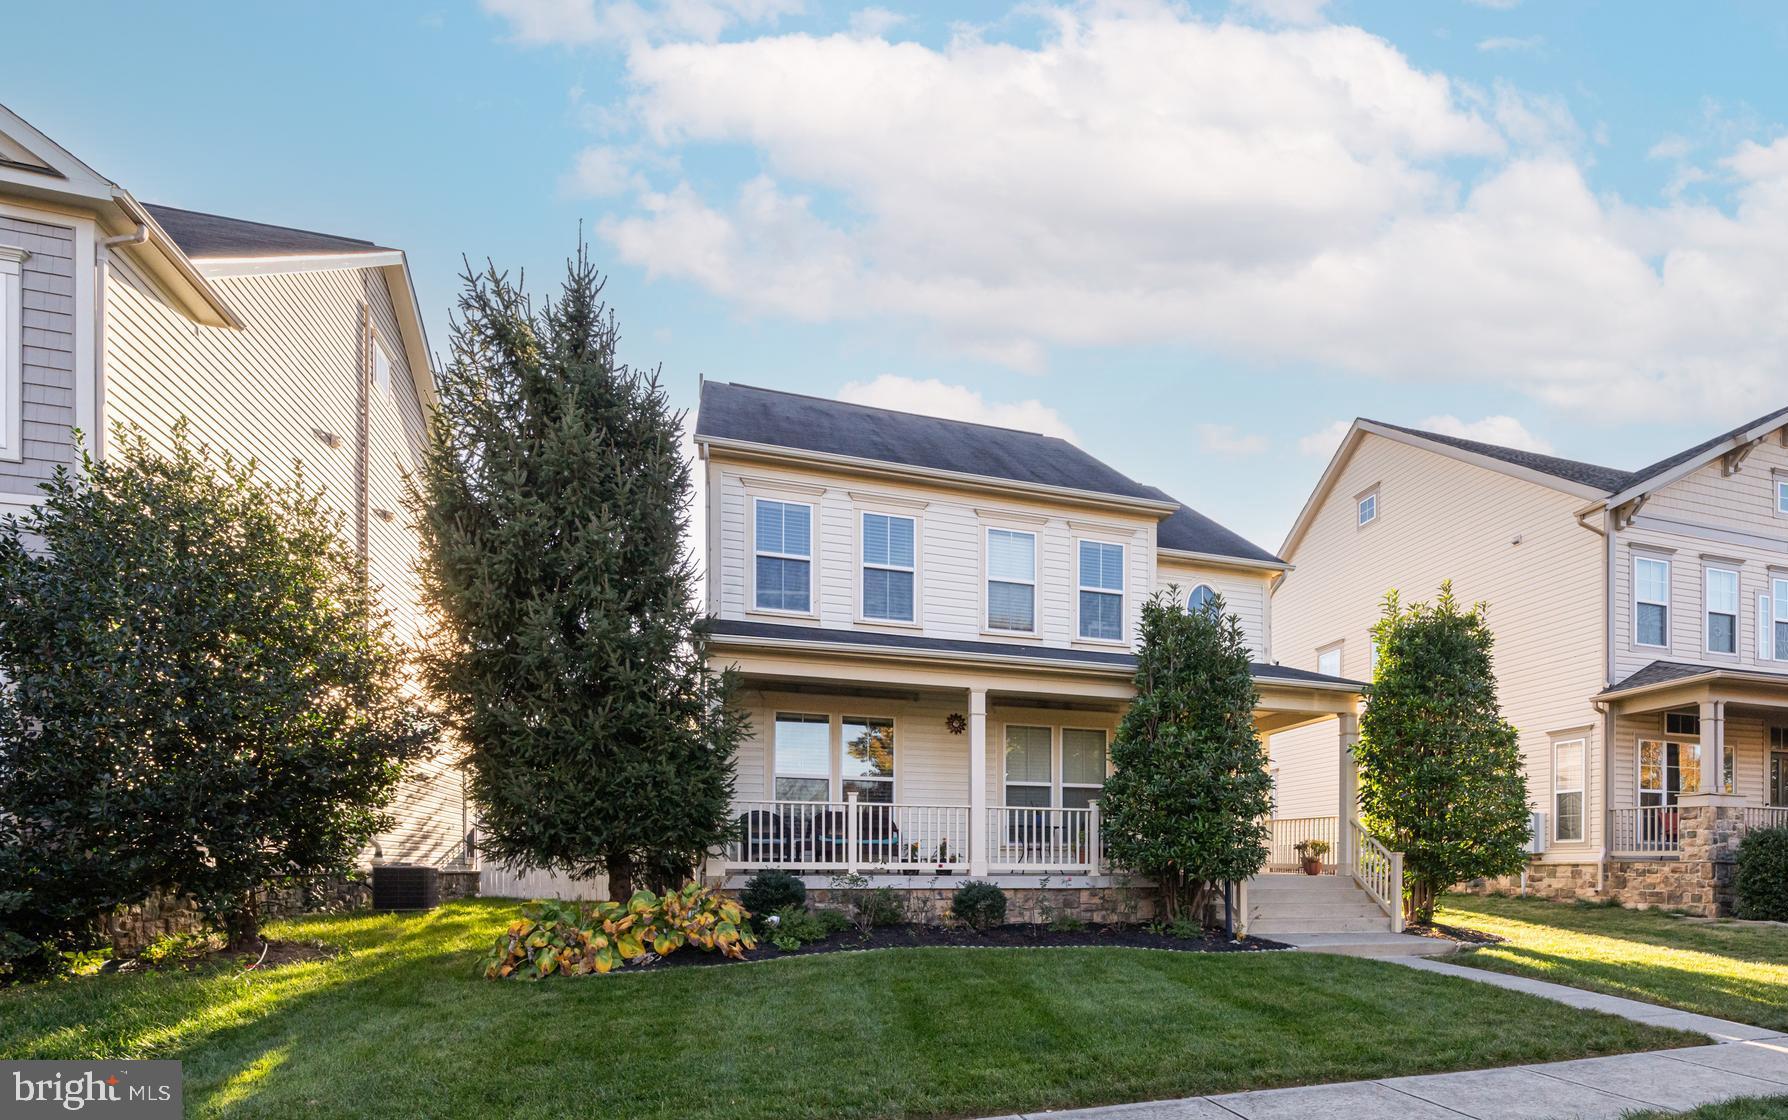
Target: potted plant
[[1310, 853]]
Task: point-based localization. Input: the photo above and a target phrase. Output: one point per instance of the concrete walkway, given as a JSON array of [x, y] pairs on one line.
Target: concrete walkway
[[1744, 1061]]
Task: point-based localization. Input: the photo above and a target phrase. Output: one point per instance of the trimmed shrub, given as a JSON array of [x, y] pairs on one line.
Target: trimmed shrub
[[795, 927], [878, 907], [1763, 875], [980, 906], [772, 892]]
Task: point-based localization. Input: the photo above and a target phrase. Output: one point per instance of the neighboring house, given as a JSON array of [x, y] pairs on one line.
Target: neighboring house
[[1641, 622], [290, 346], [934, 623]]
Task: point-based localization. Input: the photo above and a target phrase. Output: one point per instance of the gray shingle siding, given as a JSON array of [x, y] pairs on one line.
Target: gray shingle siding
[[49, 342]]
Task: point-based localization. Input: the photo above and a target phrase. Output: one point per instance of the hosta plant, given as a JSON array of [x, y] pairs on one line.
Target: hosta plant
[[576, 939]]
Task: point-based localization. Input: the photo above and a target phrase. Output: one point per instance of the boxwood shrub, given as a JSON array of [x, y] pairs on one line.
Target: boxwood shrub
[[980, 906], [1763, 875], [770, 892]]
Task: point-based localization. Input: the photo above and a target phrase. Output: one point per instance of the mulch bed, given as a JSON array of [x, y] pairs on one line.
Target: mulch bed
[[1460, 934], [1000, 937], [278, 953]]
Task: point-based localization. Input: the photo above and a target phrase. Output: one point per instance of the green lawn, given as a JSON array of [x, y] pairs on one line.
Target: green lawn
[[1733, 970], [398, 1027], [1750, 1108]]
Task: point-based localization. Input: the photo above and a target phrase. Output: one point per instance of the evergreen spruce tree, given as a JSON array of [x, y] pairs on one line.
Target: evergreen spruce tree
[[1191, 790], [1440, 769], [569, 652]]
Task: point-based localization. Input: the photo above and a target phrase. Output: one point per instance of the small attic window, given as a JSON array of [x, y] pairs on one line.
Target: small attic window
[[1368, 507]]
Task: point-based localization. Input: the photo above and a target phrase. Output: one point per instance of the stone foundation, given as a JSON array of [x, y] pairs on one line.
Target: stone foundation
[[130, 929], [1109, 905], [454, 885]]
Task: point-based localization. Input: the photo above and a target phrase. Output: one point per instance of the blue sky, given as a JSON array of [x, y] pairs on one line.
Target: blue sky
[[1193, 237]]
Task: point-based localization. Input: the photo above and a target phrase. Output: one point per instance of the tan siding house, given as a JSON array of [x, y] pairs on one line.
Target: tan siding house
[[302, 350], [1634, 614]]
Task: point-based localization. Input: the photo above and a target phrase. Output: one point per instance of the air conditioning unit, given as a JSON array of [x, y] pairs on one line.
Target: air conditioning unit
[[397, 887], [1537, 833]]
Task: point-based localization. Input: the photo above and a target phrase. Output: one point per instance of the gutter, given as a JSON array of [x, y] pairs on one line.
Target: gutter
[[1220, 560], [213, 310]]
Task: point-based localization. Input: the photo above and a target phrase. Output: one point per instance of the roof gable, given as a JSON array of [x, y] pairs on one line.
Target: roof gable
[[1669, 469], [201, 235]]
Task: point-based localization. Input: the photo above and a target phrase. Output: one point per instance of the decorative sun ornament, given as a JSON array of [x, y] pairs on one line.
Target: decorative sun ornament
[[956, 723]]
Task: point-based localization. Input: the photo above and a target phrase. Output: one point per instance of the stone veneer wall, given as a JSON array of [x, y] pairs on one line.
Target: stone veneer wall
[[1699, 881], [1094, 905], [130, 929]]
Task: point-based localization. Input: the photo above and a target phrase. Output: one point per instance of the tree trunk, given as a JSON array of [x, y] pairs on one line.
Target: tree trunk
[[620, 879], [1418, 906], [243, 924]]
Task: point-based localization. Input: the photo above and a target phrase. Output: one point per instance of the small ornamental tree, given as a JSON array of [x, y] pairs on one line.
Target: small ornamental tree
[[569, 651], [1191, 789], [203, 696], [1440, 769]]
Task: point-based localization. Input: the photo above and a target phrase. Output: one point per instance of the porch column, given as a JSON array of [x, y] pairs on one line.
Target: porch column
[[977, 782], [1348, 807], [1713, 747]]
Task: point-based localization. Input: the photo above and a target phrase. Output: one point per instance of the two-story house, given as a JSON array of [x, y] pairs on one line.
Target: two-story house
[[1641, 621], [934, 623], [282, 344]]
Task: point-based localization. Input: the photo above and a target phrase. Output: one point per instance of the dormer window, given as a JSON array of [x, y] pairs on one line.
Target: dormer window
[[783, 541]]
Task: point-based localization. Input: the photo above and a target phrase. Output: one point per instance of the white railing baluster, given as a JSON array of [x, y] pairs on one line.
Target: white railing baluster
[[829, 836], [1379, 871], [1644, 830]]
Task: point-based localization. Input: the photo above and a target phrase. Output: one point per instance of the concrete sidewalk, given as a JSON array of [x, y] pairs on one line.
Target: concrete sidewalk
[[1744, 1061]]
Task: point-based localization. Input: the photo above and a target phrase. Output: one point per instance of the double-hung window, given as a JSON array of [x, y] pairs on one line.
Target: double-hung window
[[803, 748], [1029, 774], [783, 542], [1779, 593], [1722, 610], [1651, 601], [1567, 790], [1012, 580], [867, 761], [1102, 591], [1782, 495], [1083, 766], [889, 567]]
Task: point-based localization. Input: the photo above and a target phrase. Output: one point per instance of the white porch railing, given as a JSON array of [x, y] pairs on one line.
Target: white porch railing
[[1645, 830], [1289, 832], [1765, 816], [1039, 840], [1379, 871], [848, 836]]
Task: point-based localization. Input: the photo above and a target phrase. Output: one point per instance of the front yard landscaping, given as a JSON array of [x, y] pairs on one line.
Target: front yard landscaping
[[398, 1025], [1733, 970], [1749, 1108]]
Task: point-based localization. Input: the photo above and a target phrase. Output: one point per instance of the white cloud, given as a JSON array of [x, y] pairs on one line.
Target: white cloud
[[1322, 443], [875, 23], [601, 171], [1283, 11], [932, 397], [1512, 43], [1226, 439], [1107, 186], [581, 22], [1505, 431], [1670, 147]]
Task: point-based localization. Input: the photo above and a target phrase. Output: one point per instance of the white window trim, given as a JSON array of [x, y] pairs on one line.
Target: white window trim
[[1339, 649], [1669, 621], [1778, 586], [1053, 785], [1581, 790], [1360, 518], [1778, 491], [378, 352], [1061, 746], [987, 578], [1707, 611], [838, 753], [1123, 594], [12, 353], [830, 777], [915, 622], [834, 775], [812, 558], [1201, 583]]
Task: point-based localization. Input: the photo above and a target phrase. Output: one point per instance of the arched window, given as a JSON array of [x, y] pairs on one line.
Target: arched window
[[1200, 599]]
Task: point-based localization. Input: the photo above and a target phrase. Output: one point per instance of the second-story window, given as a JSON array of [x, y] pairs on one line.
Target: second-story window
[[783, 539], [1651, 601], [1012, 580], [1781, 495], [1779, 590], [1722, 610], [1102, 591], [888, 567]]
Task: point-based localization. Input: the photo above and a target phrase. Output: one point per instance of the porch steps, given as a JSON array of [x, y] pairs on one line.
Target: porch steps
[[1311, 904]]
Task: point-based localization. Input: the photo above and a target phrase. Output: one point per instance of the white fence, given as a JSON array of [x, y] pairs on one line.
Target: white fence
[[496, 881], [1647, 830], [1765, 816], [849, 835], [1288, 832], [1040, 840]]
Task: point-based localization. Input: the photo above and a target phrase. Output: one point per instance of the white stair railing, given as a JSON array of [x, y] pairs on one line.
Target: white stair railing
[[1379, 871]]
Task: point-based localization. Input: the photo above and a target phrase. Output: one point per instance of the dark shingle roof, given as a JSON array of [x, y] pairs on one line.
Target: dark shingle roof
[[1052, 655], [1662, 466], [1585, 474], [831, 427], [1664, 672], [209, 235]]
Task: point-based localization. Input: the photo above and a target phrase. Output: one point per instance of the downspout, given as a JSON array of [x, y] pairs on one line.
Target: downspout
[[1606, 530], [102, 282]]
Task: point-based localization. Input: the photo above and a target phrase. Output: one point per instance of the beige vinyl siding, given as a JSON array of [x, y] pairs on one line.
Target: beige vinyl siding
[[950, 543], [1705, 518], [1244, 595], [266, 390], [1441, 519], [48, 338], [930, 763]]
